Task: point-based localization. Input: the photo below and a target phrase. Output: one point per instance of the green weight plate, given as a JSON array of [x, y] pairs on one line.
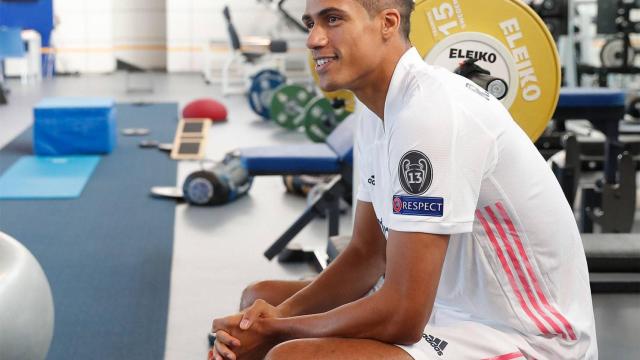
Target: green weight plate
[[320, 119], [288, 105]]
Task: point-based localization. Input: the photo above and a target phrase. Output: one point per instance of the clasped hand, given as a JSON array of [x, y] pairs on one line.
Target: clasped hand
[[244, 335]]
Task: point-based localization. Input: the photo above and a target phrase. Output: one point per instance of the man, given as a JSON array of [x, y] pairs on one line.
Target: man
[[478, 250]]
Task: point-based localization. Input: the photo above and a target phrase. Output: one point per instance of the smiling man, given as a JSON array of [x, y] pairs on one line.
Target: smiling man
[[463, 247]]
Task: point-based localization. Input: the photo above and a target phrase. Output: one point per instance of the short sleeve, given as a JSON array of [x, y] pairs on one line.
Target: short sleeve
[[438, 157], [362, 163]]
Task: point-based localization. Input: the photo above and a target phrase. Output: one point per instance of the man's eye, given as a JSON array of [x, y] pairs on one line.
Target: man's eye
[[333, 19], [309, 25]]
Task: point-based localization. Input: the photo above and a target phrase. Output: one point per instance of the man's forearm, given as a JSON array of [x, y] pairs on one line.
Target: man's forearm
[[347, 279], [380, 316]]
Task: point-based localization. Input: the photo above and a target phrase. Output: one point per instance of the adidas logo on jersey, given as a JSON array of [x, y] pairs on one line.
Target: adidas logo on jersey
[[372, 180], [437, 344]]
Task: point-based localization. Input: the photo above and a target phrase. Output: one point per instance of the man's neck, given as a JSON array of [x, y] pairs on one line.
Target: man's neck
[[373, 93]]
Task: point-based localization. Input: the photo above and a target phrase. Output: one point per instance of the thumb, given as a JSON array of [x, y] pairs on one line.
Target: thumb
[[250, 315], [247, 320]]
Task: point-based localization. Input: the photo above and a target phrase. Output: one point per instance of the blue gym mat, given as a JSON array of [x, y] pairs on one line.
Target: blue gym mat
[[34, 177], [107, 254]]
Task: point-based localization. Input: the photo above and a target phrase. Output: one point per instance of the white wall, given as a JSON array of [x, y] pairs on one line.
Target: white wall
[[157, 33], [84, 35], [192, 23], [140, 32]]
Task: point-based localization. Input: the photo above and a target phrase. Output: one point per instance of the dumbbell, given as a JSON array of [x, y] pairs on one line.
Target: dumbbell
[[223, 183]]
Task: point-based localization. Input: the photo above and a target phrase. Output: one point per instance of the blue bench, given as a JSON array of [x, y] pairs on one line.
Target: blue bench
[[335, 156]]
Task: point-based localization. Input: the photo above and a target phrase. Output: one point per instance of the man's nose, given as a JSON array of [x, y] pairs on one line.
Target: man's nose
[[317, 38]]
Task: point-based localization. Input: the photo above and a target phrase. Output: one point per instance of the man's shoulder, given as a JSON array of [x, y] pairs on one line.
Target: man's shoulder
[[429, 86], [424, 94]]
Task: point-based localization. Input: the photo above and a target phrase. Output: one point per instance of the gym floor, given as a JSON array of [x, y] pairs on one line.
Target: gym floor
[[218, 251]]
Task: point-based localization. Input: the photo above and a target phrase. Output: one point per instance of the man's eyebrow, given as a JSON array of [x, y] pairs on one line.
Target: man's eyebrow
[[306, 17]]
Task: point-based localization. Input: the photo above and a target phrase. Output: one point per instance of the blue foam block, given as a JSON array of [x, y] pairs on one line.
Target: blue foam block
[[34, 177], [74, 126]]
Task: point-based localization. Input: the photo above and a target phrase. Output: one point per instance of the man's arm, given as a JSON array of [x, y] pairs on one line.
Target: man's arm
[[396, 314], [350, 276]]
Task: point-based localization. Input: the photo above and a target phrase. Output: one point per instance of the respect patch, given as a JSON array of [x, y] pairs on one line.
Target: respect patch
[[418, 206]]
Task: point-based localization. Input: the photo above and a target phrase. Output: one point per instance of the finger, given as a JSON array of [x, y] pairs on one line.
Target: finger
[[250, 314], [217, 324], [212, 339], [246, 322], [215, 355], [227, 339], [224, 350]]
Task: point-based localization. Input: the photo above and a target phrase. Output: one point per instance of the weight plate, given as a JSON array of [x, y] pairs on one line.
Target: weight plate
[[509, 39], [288, 105], [321, 118], [198, 190], [262, 87], [634, 108], [345, 96], [612, 52]]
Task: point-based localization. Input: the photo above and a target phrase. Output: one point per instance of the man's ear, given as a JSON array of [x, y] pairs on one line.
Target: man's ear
[[390, 23]]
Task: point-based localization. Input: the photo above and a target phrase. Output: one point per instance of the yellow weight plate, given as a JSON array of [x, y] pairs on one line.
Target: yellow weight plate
[[346, 95], [511, 41]]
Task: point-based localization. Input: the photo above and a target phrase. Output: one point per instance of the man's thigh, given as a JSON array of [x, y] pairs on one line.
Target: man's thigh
[[462, 340], [337, 349]]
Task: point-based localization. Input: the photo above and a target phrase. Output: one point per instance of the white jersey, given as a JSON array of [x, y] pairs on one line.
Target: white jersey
[[449, 159]]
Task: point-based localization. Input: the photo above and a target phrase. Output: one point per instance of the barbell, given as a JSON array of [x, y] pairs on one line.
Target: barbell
[[507, 38], [504, 37]]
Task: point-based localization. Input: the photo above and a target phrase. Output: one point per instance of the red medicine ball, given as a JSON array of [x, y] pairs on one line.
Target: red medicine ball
[[205, 108]]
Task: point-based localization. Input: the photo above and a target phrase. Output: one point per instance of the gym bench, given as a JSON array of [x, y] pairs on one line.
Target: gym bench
[[335, 156], [610, 203], [614, 262]]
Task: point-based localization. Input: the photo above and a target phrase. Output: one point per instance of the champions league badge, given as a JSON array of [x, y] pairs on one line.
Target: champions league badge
[[415, 172]]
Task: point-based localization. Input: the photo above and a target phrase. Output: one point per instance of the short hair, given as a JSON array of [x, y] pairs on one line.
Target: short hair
[[405, 7]]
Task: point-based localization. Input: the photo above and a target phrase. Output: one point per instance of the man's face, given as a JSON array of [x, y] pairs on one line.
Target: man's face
[[343, 40]]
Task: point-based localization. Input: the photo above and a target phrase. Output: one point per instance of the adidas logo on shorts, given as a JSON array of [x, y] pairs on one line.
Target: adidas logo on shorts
[[437, 344]]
